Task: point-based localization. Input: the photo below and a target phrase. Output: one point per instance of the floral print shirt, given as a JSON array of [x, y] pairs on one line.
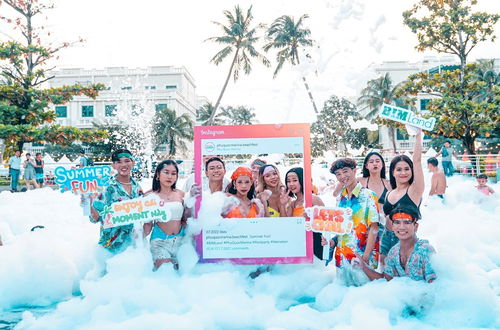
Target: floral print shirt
[[418, 266], [115, 239], [363, 203]]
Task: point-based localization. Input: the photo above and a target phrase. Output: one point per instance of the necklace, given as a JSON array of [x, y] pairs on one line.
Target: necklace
[[126, 183]]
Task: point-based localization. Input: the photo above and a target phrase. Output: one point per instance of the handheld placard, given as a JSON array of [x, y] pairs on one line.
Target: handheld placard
[[85, 180], [406, 116], [330, 221], [137, 210]]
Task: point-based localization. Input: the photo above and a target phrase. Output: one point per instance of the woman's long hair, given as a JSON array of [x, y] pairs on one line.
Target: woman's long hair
[[261, 186], [394, 161], [159, 167], [366, 173], [300, 174]]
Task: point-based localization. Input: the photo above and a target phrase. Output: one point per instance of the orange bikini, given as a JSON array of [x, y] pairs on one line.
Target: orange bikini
[[236, 212]]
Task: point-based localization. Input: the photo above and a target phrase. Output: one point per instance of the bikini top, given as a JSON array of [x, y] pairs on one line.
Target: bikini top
[[272, 212], [403, 201], [236, 212], [176, 209], [298, 211], [381, 198]]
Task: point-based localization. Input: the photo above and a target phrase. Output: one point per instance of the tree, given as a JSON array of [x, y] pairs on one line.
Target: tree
[[465, 106], [462, 111], [172, 130], [24, 105], [240, 38], [378, 91], [239, 115], [450, 27], [332, 129], [203, 114], [287, 36]]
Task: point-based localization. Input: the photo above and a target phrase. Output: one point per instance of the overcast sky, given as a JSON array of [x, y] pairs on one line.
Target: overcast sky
[[351, 35]]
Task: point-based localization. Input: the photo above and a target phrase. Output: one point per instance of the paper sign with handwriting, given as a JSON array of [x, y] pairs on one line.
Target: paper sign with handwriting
[[405, 116], [137, 210], [332, 220], [86, 180]]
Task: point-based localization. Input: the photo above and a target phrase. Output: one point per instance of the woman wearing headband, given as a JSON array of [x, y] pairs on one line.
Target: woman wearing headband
[[242, 189], [166, 237], [272, 192]]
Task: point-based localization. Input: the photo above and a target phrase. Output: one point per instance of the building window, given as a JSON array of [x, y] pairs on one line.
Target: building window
[[159, 107], [423, 104], [87, 111], [401, 135], [171, 86], [62, 111], [126, 88], [110, 110]]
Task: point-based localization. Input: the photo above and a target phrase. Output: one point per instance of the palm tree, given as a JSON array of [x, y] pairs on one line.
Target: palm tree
[[287, 36], [239, 38], [172, 130], [485, 72], [238, 116], [203, 115], [377, 92]]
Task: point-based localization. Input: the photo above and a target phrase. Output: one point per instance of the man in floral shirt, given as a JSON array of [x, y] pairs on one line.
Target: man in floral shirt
[[122, 187], [363, 203], [411, 256]]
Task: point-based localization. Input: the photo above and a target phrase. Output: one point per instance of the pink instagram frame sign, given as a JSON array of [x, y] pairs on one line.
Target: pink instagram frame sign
[[257, 131]]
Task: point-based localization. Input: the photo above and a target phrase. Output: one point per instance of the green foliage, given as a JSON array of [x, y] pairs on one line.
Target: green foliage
[[239, 37], [378, 91], [287, 36], [24, 107], [450, 26], [172, 130], [332, 131], [239, 115], [203, 114], [57, 151], [462, 110]]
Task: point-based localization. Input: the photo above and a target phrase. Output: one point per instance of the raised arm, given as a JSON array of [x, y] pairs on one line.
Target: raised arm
[[417, 187]]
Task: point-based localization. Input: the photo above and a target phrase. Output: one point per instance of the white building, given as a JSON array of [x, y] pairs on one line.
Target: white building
[[399, 71], [161, 86], [126, 90]]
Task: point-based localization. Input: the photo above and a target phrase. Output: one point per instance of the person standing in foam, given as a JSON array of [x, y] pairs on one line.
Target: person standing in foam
[[407, 181], [166, 237], [245, 204], [411, 256], [294, 180], [365, 216], [272, 192], [121, 187]]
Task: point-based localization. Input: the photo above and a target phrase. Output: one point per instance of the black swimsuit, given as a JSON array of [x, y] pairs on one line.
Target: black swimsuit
[[381, 198], [405, 200]]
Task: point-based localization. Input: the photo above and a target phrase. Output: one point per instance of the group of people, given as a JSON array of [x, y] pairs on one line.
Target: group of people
[[385, 211], [33, 170]]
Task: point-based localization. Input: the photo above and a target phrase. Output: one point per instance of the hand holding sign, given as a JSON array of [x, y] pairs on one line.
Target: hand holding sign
[[406, 116], [142, 210], [330, 221]]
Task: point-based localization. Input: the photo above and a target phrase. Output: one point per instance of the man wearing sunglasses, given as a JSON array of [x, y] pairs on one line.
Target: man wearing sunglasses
[[411, 256]]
